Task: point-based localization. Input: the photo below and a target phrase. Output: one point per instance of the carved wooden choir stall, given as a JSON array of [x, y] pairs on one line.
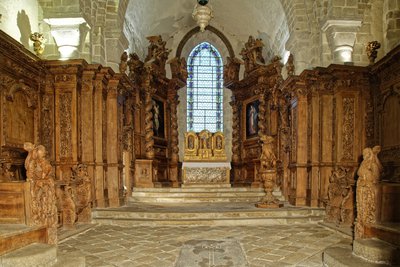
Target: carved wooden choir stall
[[74, 136]]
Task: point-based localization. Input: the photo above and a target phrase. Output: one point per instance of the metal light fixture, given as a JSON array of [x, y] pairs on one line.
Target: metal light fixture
[[202, 14]]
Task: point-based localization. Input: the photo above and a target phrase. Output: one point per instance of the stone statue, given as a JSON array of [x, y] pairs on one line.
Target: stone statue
[[368, 176], [43, 197]]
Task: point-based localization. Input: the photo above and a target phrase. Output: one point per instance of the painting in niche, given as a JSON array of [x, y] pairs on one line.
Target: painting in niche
[[158, 118], [252, 119]]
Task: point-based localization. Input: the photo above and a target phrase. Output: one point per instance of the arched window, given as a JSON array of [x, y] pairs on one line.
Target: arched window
[[204, 89]]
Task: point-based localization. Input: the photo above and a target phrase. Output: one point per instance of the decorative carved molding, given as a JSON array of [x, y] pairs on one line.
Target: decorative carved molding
[[65, 125], [252, 55], [205, 175], [235, 130], [348, 129]]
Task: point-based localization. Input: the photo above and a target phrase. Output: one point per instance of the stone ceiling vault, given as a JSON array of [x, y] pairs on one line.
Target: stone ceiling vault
[[236, 19]]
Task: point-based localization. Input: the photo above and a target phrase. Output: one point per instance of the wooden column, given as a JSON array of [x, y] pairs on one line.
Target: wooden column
[[174, 149], [100, 83], [301, 150], [87, 122], [67, 86], [315, 145], [236, 157], [113, 174], [327, 134]]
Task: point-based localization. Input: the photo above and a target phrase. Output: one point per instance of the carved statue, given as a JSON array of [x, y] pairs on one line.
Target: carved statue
[[231, 69], [290, 65], [38, 40], [68, 208], [252, 54], [43, 197], [339, 205], [268, 156], [372, 51], [83, 192], [157, 53], [123, 65], [135, 66], [179, 68], [368, 176]]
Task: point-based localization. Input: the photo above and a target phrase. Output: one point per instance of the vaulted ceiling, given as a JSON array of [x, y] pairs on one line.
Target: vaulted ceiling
[[236, 19]]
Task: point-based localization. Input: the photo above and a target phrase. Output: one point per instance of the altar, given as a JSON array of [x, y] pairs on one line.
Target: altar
[[205, 162], [206, 174]]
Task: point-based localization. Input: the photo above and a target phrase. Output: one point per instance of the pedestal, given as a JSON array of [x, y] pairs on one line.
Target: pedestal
[[144, 173], [206, 174], [268, 177]]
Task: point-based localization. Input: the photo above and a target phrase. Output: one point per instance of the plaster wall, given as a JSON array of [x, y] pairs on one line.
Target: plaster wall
[[20, 19]]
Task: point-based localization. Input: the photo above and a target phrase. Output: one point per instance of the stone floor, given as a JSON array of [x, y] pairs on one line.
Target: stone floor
[[278, 245]]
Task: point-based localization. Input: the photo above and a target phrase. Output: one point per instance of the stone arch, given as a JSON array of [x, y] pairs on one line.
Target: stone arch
[[210, 28]]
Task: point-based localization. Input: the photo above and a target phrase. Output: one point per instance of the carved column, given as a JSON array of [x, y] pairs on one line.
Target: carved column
[[236, 159], [100, 83], [174, 149], [86, 123], [261, 112], [67, 85], [314, 112], [148, 120], [113, 174], [300, 166]]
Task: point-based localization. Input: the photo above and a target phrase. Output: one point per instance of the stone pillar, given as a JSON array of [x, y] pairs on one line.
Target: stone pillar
[[391, 32], [113, 173], [341, 35]]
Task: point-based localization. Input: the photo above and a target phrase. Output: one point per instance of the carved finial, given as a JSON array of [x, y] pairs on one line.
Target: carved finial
[[124, 62], [372, 51], [38, 40]]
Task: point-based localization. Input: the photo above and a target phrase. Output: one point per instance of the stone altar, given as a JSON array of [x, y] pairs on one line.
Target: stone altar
[[206, 174]]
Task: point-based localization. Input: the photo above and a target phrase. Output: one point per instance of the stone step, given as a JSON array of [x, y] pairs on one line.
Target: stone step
[[214, 215], [36, 254], [197, 195], [15, 236], [389, 232], [69, 261], [376, 250], [40, 255], [343, 257]]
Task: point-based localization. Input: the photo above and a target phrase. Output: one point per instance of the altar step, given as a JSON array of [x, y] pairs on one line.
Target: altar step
[[205, 214], [198, 195]]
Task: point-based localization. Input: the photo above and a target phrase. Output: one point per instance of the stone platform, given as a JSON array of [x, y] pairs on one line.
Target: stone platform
[[201, 214]]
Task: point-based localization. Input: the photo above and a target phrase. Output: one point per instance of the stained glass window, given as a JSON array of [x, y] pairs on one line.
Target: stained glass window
[[204, 89]]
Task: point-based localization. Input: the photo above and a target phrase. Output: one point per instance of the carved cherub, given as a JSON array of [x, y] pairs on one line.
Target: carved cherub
[[123, 65]]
